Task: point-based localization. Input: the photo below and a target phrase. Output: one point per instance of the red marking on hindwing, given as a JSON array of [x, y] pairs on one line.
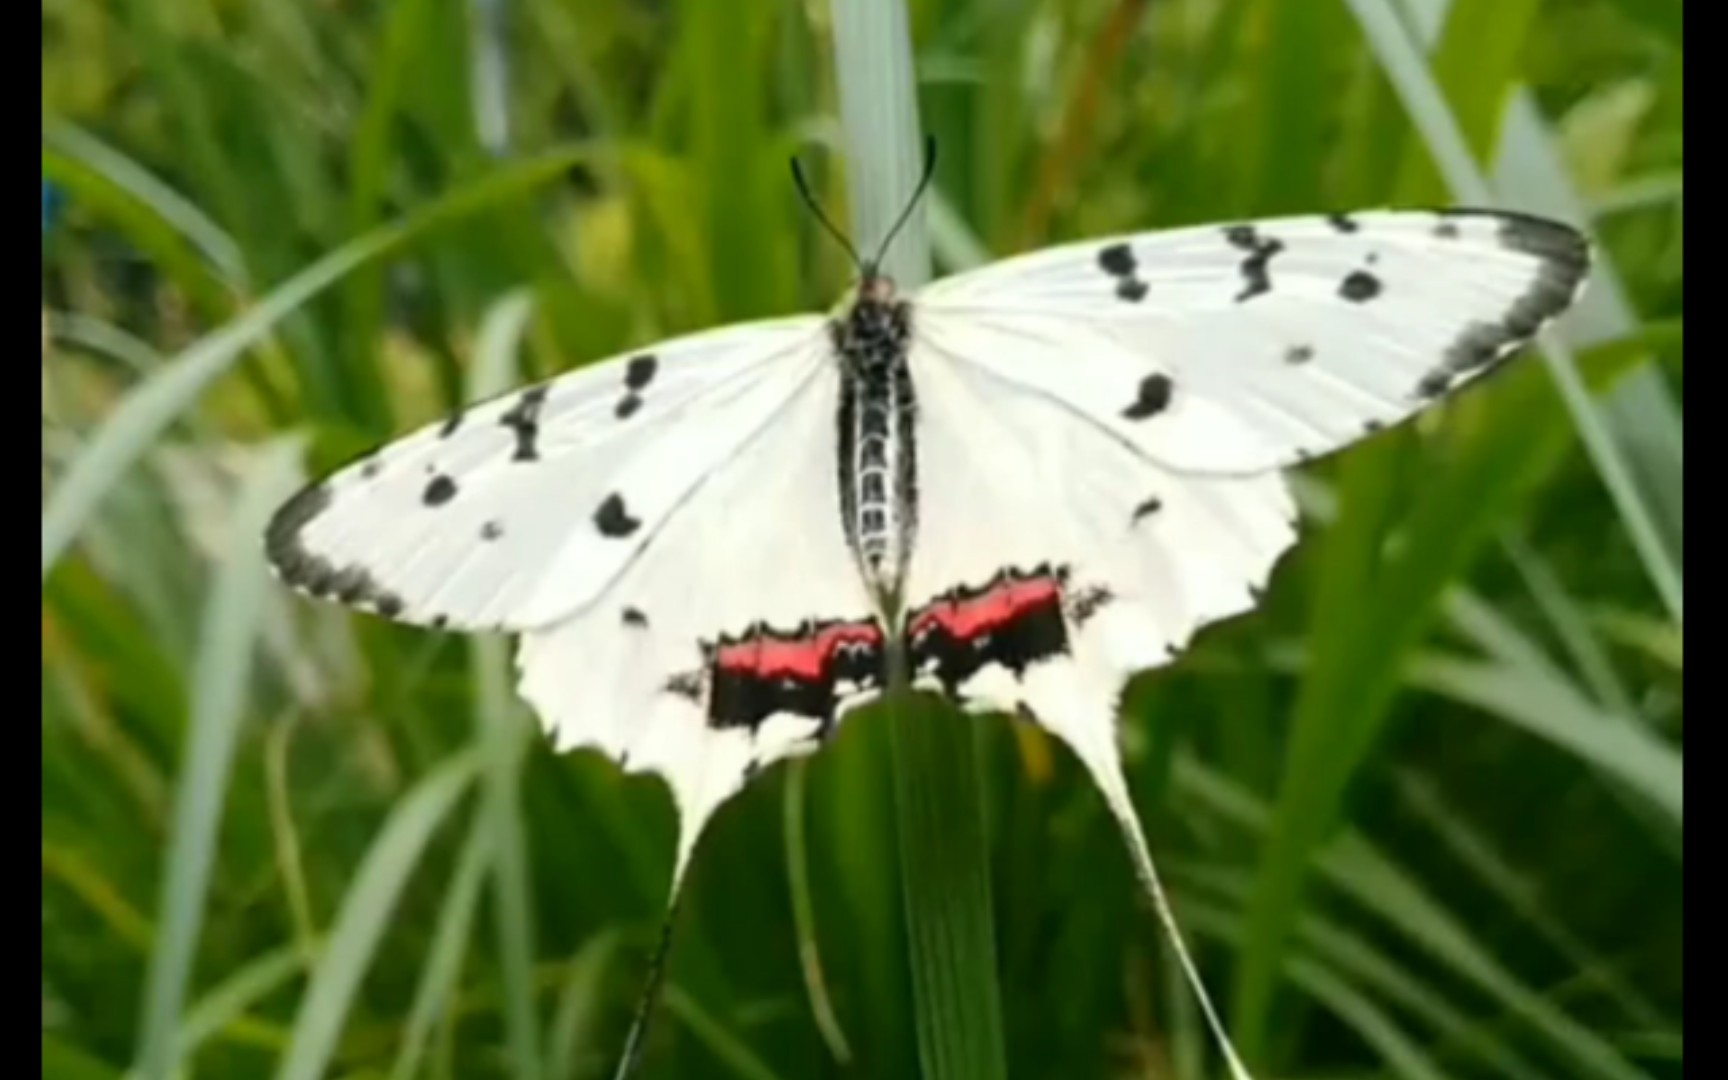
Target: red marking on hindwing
[[800, 656], [997, 604]]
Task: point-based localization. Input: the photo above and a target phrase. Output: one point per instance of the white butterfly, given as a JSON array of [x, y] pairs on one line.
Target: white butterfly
[[1036, 479]]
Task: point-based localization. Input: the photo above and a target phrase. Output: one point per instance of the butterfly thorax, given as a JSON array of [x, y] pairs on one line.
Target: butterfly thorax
[[877, 458]]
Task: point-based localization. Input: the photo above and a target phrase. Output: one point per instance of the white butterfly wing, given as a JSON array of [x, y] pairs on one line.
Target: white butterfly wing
[[520, 510], [740, 634], [1237, 349], [1054, 561]]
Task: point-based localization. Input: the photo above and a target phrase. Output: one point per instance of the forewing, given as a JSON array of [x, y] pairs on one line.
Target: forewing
[[740, 636], [519, 511], [1228, 350]]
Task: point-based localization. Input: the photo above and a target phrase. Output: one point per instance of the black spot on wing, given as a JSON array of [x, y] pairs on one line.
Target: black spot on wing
[[1153, 398], [1562, 260], [1148, 508], [627, 406], [634, 618], [523, 418], [1359, 286], [284, 546], [612, 519], [1256, 267], [373, 466], [1343, 223], [492, 530], [439, 491], [1299, 354], [1434, 384], [687, 685], [1082, 604], [639, 372], [1118, 261], [282, 536], [451, 423]]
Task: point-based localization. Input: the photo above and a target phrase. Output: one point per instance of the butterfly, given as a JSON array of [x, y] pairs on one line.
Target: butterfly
[[1016, 486]]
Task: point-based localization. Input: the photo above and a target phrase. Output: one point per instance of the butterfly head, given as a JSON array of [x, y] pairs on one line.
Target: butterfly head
[[875, 287]]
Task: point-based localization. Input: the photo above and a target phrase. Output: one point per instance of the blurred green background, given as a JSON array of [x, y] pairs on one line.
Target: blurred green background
[[1421, 813]]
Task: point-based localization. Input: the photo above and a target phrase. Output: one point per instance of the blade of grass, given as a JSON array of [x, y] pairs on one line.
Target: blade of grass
[[155, 403], [366, 910], [220, 687], [228, 1002], [944, 872], [1292, 57], [450, 937], [104, 338], [576, 1017], [1401, 1054], [726, 1047], [173, 210], [1553, 711], [73, 872], [285, 837], [804, 916], [404, 31], [1380, 885], [1516, 889]]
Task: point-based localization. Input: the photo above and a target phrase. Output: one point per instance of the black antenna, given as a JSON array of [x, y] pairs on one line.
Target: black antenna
[[868, 269], [632, 1055], [917, 193], [816, 208]]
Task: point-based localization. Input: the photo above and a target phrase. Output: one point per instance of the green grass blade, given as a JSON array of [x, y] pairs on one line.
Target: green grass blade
[[944, 873], [220, 689], [174, 210], [1552, 710], [403, 35], [148, 410], [1379, 885], [229, 1001], [576, 1017], [450, 937], [738, 1059], [365, 913], [1517, 891], [1400, 1053], [946, 885], [104, 338], [804, 916]]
